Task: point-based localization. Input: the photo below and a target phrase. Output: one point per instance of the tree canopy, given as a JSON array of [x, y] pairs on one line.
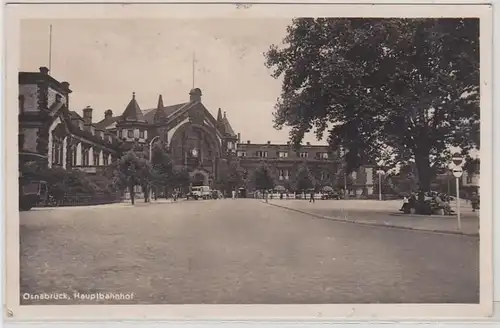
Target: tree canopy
[[263, 177], [304, 179], [386, 90], [132, 170]]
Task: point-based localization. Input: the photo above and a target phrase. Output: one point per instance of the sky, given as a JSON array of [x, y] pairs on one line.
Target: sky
[[105, 61]]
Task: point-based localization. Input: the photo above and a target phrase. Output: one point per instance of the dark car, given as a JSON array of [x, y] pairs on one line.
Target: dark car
[[330, 195]]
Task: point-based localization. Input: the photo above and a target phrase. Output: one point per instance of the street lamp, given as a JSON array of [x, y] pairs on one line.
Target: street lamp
[[380, 174], [151, 159], [151, 148]]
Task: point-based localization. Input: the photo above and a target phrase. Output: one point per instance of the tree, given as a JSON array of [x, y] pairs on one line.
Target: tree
[[180, 178], [304, 179], [263, 178], [232, 176], [394, 90], [162, 168], [132, 170]]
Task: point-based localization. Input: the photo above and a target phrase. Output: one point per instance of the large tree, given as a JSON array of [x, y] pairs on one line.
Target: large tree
[[263, 178], [132, 170], [387, 90], [162, 168], [304, 180]]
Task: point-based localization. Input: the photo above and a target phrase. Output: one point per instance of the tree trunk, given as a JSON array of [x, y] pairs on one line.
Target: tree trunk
[[132, 194], [423, 170], [145, 190], [424, 181]]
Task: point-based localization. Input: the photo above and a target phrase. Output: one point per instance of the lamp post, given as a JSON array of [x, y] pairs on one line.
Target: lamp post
[[151, 159], [380, 174]]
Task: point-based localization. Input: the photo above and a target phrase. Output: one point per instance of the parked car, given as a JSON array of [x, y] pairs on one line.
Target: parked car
[[330, 195], [31, 192], [200, 192]]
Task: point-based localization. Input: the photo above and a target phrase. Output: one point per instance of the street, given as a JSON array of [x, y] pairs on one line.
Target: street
[[238, 251]]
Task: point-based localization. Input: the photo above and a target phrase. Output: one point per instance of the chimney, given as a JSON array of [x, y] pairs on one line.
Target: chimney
[[248, 141], [308, 143], [108, 114], [224, 114], [195, 95], [65, 85], [288, 142], [239, 137], [269, 142], [87, 115], [44, 70]]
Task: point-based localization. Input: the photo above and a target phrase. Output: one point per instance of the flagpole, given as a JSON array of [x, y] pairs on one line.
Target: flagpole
[[50, 48], [194, 58]]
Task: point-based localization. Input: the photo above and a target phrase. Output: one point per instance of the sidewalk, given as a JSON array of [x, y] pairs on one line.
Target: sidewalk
[[383, 213], [124, 203]]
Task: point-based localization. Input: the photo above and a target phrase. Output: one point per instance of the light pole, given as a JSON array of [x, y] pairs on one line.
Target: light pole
[[380, 174], [151, 160], [151, 148]]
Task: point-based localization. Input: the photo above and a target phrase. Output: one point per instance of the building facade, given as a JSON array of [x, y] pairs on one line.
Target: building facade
[[51, 133]]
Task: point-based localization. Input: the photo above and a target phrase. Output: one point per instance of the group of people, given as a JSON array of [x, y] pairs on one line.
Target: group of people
[[436, 200]]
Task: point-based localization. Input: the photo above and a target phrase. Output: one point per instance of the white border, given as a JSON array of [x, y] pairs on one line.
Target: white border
[[242, 312]]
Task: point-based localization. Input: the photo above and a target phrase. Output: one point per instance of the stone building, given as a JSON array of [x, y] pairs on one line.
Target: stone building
[[52, 134], [198, 141]]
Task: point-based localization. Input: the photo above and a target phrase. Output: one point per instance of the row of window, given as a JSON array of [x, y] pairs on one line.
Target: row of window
[[130, 134], [282, 154], [284, 174], [57, 156]]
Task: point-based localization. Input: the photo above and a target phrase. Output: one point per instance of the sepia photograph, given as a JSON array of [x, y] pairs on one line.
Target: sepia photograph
[[287, 160]]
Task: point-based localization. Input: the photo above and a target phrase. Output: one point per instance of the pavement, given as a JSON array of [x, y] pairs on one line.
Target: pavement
[[386, 214], [238, 251]]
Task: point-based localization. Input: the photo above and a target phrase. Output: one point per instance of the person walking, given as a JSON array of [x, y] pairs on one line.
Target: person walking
[[311, 197], [474, 201]]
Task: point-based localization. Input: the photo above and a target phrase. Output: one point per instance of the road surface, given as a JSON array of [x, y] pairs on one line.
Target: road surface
[[237, 251]]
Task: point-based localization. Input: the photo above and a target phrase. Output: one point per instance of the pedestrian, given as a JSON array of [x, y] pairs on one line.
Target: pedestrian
[[311, 197], [233, 194], [474, 201], [406, 202], [281, 195]]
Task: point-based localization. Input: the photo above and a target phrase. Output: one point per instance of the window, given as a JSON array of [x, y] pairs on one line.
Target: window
[[469, 178], [229, 145], [282, 154], [325, 175], [73, 155], [241, 153], [283, 174], [96, 158], [141, 134], [130, 133], [120, 134], [303, 155], [105, 160], [261, 153], [323, 155], [85, 157]]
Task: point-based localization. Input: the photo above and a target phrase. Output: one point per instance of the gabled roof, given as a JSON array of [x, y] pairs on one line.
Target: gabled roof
[[107, 122], [227, 127], [149, 114], [133, 111]]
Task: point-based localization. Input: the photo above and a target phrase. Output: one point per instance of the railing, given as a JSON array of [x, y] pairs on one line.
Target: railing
[[84, 199]]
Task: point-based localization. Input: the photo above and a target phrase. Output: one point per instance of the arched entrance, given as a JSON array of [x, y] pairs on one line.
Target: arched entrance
[[199, 178], [196, 148]]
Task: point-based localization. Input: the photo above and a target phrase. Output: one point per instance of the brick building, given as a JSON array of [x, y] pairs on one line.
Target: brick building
[[52, 133]]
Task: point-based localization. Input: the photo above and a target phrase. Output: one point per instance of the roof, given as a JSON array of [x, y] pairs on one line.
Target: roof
[[149, 114], [133, 111], [107, 122], [227, 127]]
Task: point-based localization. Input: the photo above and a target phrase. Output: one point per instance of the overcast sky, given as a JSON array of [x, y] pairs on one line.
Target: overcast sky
[[106, 60]]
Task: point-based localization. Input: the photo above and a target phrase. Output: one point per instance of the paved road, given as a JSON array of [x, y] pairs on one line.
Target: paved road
[[239, 251]]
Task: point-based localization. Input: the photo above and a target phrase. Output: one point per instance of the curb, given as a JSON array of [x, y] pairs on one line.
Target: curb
[[459, 233]]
